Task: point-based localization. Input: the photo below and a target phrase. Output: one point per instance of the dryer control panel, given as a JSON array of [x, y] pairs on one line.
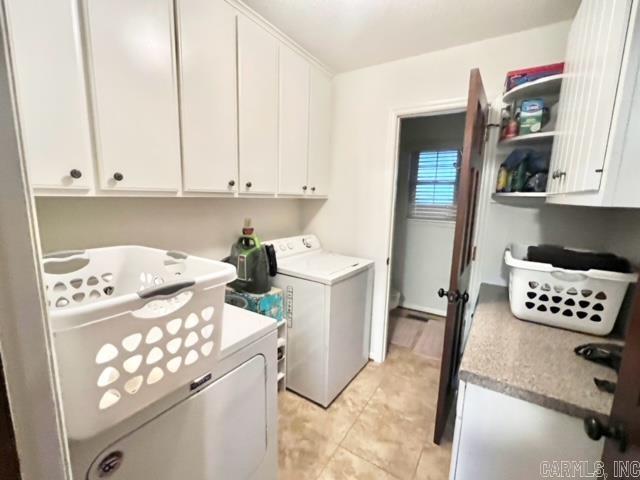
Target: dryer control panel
[[290, 246]]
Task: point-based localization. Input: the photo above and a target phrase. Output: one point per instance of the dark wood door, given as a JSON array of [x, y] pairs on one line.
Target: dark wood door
[[623, 428], [467, 196]]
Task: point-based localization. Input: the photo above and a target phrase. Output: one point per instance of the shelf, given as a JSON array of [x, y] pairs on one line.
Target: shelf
[[529, 139], [521, 195], [543, 86]]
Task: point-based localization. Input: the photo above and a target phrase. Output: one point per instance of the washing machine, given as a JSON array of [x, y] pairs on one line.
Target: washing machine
[[221, 426], [328, 299]]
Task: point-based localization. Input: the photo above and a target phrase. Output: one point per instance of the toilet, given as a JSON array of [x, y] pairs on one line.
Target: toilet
[[394, 298]]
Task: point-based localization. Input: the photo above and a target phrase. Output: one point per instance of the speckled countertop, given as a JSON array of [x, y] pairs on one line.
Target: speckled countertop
[[532, 362]]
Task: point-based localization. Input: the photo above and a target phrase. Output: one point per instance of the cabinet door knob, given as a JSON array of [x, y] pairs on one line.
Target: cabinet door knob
[[248, 184], [313, 189], [232, 183], [118, 177], [75, 173], [595, 430], [304, 187], [558, 174]]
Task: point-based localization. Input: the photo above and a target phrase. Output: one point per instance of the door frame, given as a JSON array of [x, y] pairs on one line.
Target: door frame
[[25, 345], [396, 115]]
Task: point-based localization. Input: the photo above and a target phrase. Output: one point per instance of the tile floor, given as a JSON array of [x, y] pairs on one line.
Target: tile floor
[[380, 427]]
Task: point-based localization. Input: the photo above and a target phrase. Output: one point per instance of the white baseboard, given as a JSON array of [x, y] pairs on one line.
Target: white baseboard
[[421, 308]]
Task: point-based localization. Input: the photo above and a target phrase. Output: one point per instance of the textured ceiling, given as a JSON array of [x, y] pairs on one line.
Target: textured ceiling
[[350, 34]]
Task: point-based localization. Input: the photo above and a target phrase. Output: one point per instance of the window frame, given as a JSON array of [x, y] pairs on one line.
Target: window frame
[[432, 212]]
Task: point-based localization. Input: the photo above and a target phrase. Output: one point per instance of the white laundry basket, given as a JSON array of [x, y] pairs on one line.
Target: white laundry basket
[[130, 325], [585, 301]]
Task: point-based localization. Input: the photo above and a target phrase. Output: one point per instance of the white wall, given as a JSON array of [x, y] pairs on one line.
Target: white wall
[[580, 227], [422, 249], [426, 265], [200, 226], [623, 233], [356, 218]]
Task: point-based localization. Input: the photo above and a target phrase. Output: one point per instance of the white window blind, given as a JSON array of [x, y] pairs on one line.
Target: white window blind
[[434, 184]]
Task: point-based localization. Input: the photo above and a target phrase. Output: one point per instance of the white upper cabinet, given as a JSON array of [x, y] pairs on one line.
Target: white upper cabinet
[[258, 108], [599, 69], [207, 58], [134, 93], [319, 134], [52, 108], [294, 123], [166, 97]]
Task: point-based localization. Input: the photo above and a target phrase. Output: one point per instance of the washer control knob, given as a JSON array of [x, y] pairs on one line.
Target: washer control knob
[[110, 464]]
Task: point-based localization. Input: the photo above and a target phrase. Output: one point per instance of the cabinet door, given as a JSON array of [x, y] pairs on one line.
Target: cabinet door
[[585, 111], [294, 122], [258, 108], [135, 93], [207, 55], [319, 133], [51, 95]]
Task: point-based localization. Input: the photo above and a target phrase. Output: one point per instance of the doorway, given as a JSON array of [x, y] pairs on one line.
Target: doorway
[[429, 152]]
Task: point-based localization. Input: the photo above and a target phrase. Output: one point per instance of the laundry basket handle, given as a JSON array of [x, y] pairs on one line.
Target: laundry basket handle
[[568, 276], [166, 290], [64, 255]]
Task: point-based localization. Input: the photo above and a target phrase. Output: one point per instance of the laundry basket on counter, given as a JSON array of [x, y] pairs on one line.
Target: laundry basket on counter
[[585, 301], [130, 325]]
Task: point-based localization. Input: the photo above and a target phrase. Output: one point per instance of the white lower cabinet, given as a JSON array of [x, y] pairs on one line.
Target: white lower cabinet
[[293, 123], [498, 437], [207, 55], [258, 108], [320, 112], [135, 95], [47, 63]]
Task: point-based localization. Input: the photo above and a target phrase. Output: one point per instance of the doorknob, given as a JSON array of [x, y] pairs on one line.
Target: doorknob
[[453, 297], [595, 430]]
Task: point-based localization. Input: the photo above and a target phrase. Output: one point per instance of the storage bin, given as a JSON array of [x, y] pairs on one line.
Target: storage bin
[[584, 301], [130, 325]]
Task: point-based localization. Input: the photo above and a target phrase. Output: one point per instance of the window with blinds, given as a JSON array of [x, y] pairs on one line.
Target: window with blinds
[[434, 184]]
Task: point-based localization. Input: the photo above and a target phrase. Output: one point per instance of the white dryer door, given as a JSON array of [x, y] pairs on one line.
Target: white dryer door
[[218, 433]]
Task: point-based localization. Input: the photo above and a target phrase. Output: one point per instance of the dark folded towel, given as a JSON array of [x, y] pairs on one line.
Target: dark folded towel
[[575, 260]]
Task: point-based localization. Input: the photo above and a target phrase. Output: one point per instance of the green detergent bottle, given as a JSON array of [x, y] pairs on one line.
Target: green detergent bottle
[[250, 258]]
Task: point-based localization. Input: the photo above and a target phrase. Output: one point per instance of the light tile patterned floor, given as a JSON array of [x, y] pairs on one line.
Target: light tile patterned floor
[[380, 427]]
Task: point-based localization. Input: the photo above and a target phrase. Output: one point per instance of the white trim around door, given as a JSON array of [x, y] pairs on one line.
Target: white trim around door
[[442, 107], [25, 338]]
